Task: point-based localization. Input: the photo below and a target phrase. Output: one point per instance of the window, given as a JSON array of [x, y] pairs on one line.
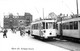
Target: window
[[6, 23], [63, 26], [46, 25], [50, 25], [75, 24], [20, 21], [6, 16], [43, 25], [35, 26], [54, 25], [67, 25], [39, 26], [71, 25], [57, 26]]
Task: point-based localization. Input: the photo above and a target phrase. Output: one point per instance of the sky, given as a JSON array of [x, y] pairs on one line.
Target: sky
[[35, 7]]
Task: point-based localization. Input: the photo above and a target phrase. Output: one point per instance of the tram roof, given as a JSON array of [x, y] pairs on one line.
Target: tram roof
[[43, 21], [70, 20]]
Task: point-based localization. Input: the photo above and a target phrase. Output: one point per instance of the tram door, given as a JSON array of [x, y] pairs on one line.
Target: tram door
[[61, 31]]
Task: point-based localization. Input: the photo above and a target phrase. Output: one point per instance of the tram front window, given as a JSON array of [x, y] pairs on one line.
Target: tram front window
[[49, 25]]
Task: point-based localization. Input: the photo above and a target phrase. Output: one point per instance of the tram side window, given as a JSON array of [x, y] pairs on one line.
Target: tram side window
[[39, 25], [43, 25], [71, 25], [75, 24], [35, 26], [54, 25], [63, 26], [67, 25], [57, 26], [46, 25]]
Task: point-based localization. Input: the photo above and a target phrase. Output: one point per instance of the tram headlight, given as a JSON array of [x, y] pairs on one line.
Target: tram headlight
[[50, 33]]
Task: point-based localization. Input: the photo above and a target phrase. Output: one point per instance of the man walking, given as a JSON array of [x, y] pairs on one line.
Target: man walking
[[4, 35], [28, 32]]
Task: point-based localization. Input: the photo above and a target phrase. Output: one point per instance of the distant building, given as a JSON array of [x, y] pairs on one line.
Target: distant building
[[17, 21]]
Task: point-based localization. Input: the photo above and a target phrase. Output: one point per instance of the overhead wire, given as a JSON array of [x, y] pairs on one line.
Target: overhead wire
[[67, 7]]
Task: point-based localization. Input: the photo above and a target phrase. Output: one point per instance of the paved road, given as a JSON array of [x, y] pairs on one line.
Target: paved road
[[65, 44], [15, 42]]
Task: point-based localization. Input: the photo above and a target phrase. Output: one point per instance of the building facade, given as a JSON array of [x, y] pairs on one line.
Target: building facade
[[17, 21]]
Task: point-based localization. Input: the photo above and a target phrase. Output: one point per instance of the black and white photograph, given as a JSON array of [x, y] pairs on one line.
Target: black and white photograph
[[39, 25]]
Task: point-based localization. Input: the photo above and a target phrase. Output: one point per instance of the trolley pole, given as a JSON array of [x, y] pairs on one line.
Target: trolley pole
[[61, 27], [77, 7], [43, 13]]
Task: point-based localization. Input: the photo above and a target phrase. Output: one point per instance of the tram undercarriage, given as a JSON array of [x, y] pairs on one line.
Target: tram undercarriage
[[69, 38]]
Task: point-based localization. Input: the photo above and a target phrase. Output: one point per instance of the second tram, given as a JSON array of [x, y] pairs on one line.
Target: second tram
[[69, 28]]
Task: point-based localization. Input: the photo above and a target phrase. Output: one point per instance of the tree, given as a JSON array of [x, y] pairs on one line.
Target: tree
[[52, 15]]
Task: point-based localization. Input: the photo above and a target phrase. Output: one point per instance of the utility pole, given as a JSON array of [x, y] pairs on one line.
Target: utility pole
[[77, 7]]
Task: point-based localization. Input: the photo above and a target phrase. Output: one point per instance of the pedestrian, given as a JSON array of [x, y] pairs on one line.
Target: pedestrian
[[14, 30], [5, 35], [21, 33], [28, 32]]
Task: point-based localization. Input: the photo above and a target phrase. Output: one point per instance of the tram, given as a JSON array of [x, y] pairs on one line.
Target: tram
[[69, 28], [44, 29]]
